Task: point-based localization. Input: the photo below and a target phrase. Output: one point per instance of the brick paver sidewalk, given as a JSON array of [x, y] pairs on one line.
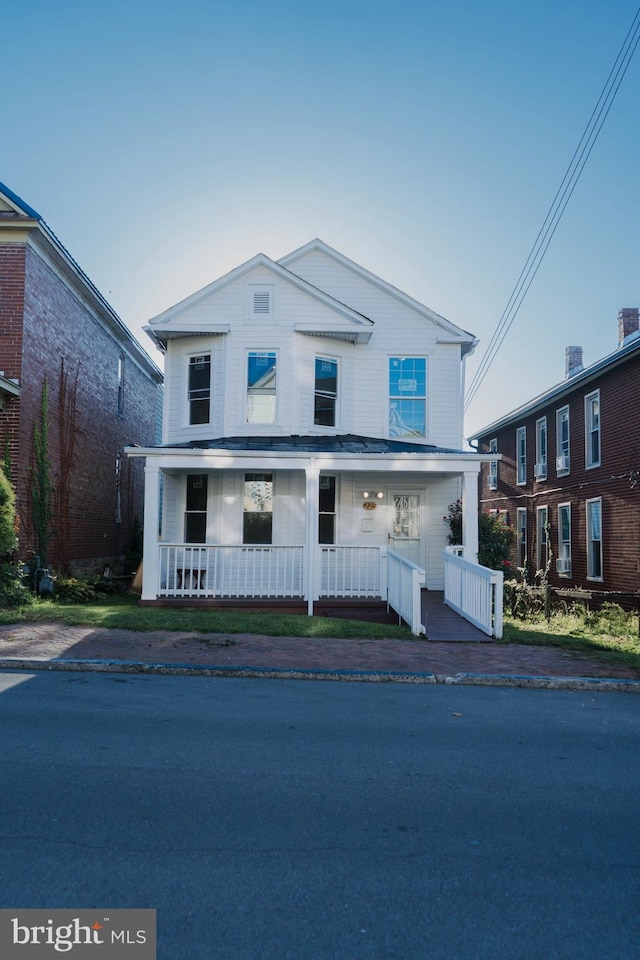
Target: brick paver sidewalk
[[56, 642]]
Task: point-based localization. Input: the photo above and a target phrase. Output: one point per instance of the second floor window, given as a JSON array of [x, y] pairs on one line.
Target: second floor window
[[541, 449], [521, 454], [592, 429], [326, 392], [492, 480], [121, 370], [562, 440], [407, 396], [199, 389], [261, 386]]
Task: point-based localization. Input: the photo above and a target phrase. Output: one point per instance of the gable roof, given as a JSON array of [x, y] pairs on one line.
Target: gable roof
[[450, 330], [164, 325], [561, 391], [15, 213]]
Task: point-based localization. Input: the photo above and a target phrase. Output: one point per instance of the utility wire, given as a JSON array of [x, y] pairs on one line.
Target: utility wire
[[560, 201]]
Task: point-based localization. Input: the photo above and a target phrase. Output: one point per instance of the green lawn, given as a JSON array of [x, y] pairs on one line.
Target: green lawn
[[124, 613]]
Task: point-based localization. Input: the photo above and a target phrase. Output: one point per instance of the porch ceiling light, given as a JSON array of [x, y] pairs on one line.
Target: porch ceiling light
[[368, 495]]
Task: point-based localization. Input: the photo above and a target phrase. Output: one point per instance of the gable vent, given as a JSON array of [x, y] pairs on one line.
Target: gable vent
[[261, 302]]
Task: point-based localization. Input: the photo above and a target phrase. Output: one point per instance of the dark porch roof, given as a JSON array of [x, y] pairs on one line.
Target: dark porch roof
[[344, 443]]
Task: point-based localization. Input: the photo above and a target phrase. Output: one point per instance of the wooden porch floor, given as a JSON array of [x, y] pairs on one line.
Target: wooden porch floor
[[444, 624]]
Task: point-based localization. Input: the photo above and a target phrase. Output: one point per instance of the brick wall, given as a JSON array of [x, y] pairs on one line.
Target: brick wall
[[64, 340]]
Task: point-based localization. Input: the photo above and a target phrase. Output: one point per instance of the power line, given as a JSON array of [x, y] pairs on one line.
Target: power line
[[559, 203]]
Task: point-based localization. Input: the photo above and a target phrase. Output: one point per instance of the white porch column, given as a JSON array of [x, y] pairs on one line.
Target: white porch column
[[151, 554], [470, 515], [312, 491]]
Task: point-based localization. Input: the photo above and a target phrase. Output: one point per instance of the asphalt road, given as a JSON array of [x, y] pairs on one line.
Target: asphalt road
[[270, 820]]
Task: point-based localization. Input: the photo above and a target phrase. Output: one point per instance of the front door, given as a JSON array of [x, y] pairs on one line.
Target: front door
[[405, 534]]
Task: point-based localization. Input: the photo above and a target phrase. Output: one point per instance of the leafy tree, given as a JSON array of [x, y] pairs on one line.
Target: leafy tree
[[494, 536], [7, 516]]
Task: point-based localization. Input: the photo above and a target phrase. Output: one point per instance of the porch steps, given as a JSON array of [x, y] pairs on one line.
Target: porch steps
[[444, 624]]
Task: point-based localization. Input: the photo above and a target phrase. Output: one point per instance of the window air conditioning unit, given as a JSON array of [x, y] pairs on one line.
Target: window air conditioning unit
[[540, 471], [562, 463], [563, 565]]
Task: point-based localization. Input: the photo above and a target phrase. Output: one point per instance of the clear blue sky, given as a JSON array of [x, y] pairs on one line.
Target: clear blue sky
[[165, 143]]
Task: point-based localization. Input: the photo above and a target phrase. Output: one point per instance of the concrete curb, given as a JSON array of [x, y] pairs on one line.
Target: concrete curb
[[590, 684]]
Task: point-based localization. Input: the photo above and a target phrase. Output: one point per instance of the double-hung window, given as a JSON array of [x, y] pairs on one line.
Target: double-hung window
[[521, 455], [542, 541], [199, 394], [257, 515], [492, 479], [521, 535], [563, 563], [195, 516], [562, 441], [327, 510], [261, 386], [121, 381], [592, 429], [594, 539], [407, 396], [325, 392], [540, 470]]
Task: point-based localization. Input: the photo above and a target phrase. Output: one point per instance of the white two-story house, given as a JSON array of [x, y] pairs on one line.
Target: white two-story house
[[312, 429]]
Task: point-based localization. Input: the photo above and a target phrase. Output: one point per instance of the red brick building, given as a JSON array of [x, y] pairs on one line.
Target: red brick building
[[568, 464], [102, 394]]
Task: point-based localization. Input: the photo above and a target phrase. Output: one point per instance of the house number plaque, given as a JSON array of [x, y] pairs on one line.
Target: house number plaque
[[369, 505]]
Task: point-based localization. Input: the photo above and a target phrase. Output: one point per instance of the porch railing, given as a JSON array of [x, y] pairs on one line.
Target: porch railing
[[347, 571], [475, 592], [230, 571], [405, 581]]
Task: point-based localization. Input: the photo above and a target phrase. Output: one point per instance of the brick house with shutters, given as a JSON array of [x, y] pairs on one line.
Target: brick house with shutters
[[566, 475], [104, 393]]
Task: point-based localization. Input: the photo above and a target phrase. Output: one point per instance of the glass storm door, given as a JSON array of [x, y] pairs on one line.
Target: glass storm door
[[405, 534]]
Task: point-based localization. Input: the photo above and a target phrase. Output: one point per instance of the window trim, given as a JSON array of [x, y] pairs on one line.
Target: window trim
[[423, 397], [492, 477], [122, 379], [562, 471], [589, 431], [190, 359], [323, 393], [591, 576], [521, 541], [542, 546], [542, 444], [271, 352], [521, 461]]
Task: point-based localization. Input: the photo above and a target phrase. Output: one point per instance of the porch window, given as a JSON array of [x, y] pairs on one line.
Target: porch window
[[261, 387], [407, 396], [326, 392], [562, 441], [199, 389], [594, 539], [592, 429], [563, 563], [257, 517], [327, 510], [195, 516], [521, 454]]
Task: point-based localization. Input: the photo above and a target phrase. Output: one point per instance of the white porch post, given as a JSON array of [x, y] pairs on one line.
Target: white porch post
[[470, 515], [312, 474], [150, 575]]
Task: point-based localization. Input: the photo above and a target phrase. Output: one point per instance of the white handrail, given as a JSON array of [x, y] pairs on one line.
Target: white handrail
[[405, 581], [475, 592]]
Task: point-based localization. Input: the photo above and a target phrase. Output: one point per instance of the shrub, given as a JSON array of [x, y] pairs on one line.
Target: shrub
[[494, 537], [14, 592], [72, 590]]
